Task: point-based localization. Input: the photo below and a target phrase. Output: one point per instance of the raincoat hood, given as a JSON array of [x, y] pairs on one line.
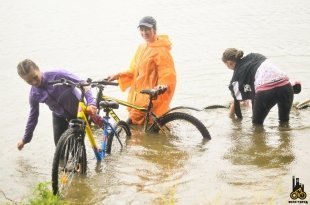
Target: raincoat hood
[[161, 41]]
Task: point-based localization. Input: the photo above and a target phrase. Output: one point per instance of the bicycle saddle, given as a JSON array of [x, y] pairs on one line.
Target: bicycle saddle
[[155, 92], [150, 92]]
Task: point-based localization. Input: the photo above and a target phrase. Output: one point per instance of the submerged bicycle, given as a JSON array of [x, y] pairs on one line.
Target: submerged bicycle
[[173, 123], [70, 154]]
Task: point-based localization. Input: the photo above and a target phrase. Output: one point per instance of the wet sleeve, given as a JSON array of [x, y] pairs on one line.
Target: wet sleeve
[[234, 92], [126, 78], [237, 109], [32, 121], [90, 98]]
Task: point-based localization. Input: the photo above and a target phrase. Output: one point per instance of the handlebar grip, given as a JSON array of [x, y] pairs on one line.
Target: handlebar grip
[[105, 82], [111, 83]]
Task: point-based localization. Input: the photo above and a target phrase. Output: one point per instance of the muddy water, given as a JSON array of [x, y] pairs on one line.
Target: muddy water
[[242, 164]]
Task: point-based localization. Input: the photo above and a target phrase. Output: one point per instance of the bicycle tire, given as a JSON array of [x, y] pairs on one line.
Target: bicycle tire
[[174, 116], [123, 130], [69, 160]]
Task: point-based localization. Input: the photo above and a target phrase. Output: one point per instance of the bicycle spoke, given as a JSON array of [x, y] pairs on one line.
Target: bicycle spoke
[[118, 140], [69, 161], [71, 166]]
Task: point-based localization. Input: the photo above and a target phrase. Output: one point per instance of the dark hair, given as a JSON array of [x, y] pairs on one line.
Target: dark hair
[[232, 54], [25, 66]]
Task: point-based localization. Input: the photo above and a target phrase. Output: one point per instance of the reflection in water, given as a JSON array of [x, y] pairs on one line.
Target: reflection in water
[[151, 164], [165, 164], [265, 149], [260, 156]]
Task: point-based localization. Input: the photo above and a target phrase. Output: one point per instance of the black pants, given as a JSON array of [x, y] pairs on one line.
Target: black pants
[[265, 100], [60, 125]]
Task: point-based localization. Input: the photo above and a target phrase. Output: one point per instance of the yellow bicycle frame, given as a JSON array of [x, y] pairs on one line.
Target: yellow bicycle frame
[[127, 104], [82, 109], [124, 103]]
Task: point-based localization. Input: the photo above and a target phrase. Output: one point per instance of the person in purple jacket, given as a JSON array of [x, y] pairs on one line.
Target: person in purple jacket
[[61, 100]]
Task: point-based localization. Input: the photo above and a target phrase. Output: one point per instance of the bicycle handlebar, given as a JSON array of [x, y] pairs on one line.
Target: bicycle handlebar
[[64, 81], [101, 82], [89, 82]]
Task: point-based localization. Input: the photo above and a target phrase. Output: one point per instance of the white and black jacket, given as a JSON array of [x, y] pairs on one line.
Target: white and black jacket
[[242, 81]]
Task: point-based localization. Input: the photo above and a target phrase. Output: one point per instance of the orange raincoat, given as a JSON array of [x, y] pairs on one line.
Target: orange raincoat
[[151, 65]]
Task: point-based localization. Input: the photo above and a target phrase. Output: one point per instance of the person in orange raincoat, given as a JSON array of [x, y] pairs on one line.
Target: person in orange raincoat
[[151, 66]]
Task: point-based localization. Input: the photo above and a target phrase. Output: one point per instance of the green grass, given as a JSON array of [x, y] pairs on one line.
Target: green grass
[[43, 195]]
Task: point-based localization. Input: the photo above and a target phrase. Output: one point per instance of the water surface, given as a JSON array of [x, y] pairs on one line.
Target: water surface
[[242, 164]]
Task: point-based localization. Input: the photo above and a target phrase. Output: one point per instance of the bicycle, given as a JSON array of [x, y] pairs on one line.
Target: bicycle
[[174, 122], [70, 154]]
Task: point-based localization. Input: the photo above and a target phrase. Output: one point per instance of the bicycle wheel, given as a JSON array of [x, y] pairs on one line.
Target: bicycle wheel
[[69, 160], [117, 140], [182, 125]]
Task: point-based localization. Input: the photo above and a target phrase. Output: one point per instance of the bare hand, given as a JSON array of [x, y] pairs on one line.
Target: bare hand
[[160, 86], [91, 110], [112, 77], [20, 145]]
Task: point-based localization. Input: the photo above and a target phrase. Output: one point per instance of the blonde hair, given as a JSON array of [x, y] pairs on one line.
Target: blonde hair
[[232, 54], [25, 66]]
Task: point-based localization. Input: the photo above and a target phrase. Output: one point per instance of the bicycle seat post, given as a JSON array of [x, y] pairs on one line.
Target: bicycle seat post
[[106, 111], [99, 96], [147, 117]]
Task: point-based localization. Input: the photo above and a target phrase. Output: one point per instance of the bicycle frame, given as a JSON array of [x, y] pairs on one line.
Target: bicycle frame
[[70, 156], [82, 109], [148, 111], [142, 109], [82, 119], [155, 123], [99, 153]]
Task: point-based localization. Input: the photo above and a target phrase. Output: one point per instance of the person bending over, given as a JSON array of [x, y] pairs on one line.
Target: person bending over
[[61, 100], [257, 78]]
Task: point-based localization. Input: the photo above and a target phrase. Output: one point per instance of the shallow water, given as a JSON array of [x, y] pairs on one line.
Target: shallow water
[[242, 164]]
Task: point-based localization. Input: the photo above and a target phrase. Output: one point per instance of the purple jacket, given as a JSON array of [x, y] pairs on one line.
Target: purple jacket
[[61, 100]]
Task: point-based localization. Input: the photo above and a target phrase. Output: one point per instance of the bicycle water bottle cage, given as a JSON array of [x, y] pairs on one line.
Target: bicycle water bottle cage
[[109, 104], [77, 124]]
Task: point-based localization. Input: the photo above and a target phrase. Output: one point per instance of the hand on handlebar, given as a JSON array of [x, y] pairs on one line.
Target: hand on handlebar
[[161, 89], [112, 77], [92, 111]]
